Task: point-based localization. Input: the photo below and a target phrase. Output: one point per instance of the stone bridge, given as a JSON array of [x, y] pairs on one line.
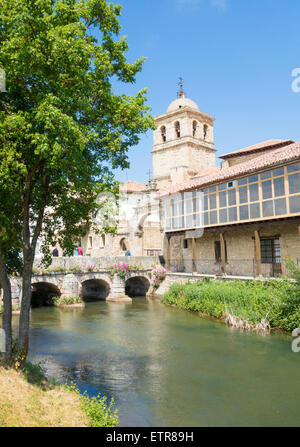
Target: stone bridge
[[91, 286]]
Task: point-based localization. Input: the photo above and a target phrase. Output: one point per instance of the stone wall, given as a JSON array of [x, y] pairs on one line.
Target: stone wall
[[101, 262], [240, 250]]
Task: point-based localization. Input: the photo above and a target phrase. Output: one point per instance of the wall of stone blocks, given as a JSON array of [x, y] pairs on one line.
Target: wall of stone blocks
[[240, 250]]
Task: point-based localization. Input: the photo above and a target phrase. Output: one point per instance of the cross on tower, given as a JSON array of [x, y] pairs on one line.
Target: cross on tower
[[181, 91], [149, 172]]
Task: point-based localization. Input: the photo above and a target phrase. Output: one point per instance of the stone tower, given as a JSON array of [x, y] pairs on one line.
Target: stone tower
[[183, 142]]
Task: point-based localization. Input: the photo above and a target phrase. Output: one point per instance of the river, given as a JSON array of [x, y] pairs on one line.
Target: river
[[167, 367]]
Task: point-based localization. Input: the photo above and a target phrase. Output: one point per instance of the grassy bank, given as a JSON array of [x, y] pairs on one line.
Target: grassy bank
[[253, 305], [27, 399]]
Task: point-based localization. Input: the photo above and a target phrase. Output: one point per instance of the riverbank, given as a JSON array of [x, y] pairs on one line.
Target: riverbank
[[28, 399], [249, 305], [37, 404]]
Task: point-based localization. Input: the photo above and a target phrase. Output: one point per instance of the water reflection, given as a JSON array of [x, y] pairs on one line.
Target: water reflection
[[169, 367]]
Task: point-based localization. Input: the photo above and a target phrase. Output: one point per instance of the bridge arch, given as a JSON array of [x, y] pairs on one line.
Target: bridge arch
[[43, 293], [94, 290], [137, 286]]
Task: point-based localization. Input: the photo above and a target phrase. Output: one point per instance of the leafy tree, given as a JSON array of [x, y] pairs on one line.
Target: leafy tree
[[62, 128]]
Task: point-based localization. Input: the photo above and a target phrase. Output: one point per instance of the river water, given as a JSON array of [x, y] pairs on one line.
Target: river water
[[167, 367]]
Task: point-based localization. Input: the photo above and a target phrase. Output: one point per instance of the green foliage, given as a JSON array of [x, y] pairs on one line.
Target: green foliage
[[34, 372], [276, 301], [289, 317], [99, 411], [76, 269], [14, 262], [57, 270], [66, 300]]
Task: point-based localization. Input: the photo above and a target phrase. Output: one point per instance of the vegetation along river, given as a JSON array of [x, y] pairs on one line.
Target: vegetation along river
[[168, 367]]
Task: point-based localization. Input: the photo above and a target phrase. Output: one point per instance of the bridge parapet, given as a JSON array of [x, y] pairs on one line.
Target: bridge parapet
[[67, 263]]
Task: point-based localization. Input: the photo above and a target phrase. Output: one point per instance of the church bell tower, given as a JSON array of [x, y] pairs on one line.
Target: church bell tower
[[183, 142]]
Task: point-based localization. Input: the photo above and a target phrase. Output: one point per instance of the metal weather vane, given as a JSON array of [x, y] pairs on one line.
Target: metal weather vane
[[181, 91]]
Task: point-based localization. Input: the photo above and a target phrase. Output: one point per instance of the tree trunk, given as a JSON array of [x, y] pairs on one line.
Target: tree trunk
[[28, 258], [24, 323], [6, 318]]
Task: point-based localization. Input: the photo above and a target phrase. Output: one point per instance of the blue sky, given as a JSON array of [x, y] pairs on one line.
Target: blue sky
[[236, 58]]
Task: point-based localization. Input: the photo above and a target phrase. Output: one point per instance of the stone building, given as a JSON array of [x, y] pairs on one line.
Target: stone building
[[138, 225], [241, 217]]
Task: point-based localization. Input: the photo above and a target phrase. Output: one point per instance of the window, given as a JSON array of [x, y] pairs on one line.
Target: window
[[270, 251], [258, 196], [293, 168], [267, 189], [279, 186], [223, 215], [266, 247], [183, 211], [268, 208], [90, 242], [232, 214], [195, 126], [253, 190], [243, 194], [177, 210], [205, 131], [103, 240], [177, 129], [123, 244], [222, 199], [231, 197], [244, 212], [254, 211], [280, 206], [185, 243], [294, 183], [218, 251], [295, 204], [163, 134]]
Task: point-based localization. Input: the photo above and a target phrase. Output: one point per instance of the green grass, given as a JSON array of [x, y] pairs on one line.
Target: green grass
[[277, 301]]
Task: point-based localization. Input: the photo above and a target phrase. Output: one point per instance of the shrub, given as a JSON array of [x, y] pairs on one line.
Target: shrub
[[91, 268], [121, 269], [57, 269], [158, 274], [76, 269], [273, 302], [98, 410], [67, 300]]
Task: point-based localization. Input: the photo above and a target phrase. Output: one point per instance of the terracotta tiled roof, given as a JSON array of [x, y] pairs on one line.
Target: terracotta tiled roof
[[260, 147], [266, 160], [206, 172], [131, 186]]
